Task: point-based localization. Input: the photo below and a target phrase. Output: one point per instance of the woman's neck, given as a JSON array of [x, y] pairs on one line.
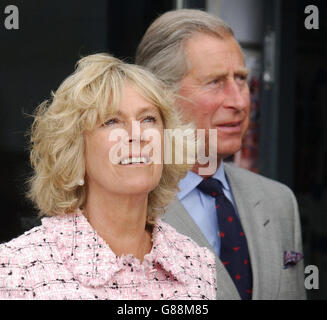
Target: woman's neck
[[120, 220]]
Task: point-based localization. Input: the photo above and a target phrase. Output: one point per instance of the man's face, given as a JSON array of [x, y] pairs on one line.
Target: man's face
[[216, 90]]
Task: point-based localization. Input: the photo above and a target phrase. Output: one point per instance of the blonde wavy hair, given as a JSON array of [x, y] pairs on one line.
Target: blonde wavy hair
[[80, 104]]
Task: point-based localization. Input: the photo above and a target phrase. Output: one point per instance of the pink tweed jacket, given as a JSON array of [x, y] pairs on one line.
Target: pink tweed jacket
[[64, 258]]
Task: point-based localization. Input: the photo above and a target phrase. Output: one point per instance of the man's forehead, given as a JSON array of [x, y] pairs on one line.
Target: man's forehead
[[202, 48], [209, 38], [214, 60], [224, 71]]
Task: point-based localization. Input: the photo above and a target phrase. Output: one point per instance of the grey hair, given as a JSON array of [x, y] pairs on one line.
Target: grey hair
[[161, 49]]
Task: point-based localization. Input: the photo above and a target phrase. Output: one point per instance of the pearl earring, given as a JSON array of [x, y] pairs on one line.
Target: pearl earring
[[81, 182]]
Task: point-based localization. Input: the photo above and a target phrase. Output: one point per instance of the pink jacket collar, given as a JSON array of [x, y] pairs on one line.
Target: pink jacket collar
[[94, 264]]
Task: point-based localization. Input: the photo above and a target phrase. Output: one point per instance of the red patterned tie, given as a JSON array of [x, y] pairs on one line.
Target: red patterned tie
[[234, 252]]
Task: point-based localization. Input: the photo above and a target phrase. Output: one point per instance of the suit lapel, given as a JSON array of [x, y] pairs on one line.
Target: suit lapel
[[180, 219], [255, 220]]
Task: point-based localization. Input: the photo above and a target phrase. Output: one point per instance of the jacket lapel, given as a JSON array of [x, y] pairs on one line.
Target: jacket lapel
[[255, 219], [180, 219]]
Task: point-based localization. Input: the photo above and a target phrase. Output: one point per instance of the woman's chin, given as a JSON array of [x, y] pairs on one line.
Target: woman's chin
[[135, 187]]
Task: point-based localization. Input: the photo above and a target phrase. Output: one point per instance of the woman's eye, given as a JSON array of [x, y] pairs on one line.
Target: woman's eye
[[110, 122], [149, 119]]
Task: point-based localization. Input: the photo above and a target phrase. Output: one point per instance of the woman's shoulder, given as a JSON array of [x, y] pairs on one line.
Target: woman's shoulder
[[28, 258], [184, 244], [25, 249], [13, 248], [192, 264], [16, 257], [31, 246]]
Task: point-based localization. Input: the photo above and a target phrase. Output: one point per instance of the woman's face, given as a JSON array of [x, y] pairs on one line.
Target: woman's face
[[118, 153]]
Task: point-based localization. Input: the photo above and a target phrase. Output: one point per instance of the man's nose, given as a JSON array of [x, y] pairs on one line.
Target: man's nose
[[236, 96]]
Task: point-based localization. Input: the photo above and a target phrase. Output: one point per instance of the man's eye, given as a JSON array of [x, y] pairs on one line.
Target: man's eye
[[215, 82], [241, 78]]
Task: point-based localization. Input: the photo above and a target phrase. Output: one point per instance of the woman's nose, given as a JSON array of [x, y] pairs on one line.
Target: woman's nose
[[134, 131]]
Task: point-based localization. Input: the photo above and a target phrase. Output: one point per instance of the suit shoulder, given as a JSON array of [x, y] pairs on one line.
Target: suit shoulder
[[255, 179]]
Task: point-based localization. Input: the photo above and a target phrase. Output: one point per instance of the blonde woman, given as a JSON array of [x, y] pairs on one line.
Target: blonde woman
[[101, 237]]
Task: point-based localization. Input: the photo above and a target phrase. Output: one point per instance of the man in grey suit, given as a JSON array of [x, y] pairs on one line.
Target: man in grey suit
[[197, 56]]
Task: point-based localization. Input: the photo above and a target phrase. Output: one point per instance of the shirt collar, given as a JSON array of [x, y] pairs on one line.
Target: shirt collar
[[188, 183], [192, 180], [221, 176]]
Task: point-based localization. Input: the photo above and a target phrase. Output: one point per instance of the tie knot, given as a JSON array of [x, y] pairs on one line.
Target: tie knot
[[211, 186]]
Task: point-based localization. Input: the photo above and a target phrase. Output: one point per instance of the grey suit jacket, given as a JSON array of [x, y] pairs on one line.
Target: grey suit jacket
[[269, 216]]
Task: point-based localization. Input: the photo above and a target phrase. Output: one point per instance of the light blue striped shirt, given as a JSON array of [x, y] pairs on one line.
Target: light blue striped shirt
[[202, 207]]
